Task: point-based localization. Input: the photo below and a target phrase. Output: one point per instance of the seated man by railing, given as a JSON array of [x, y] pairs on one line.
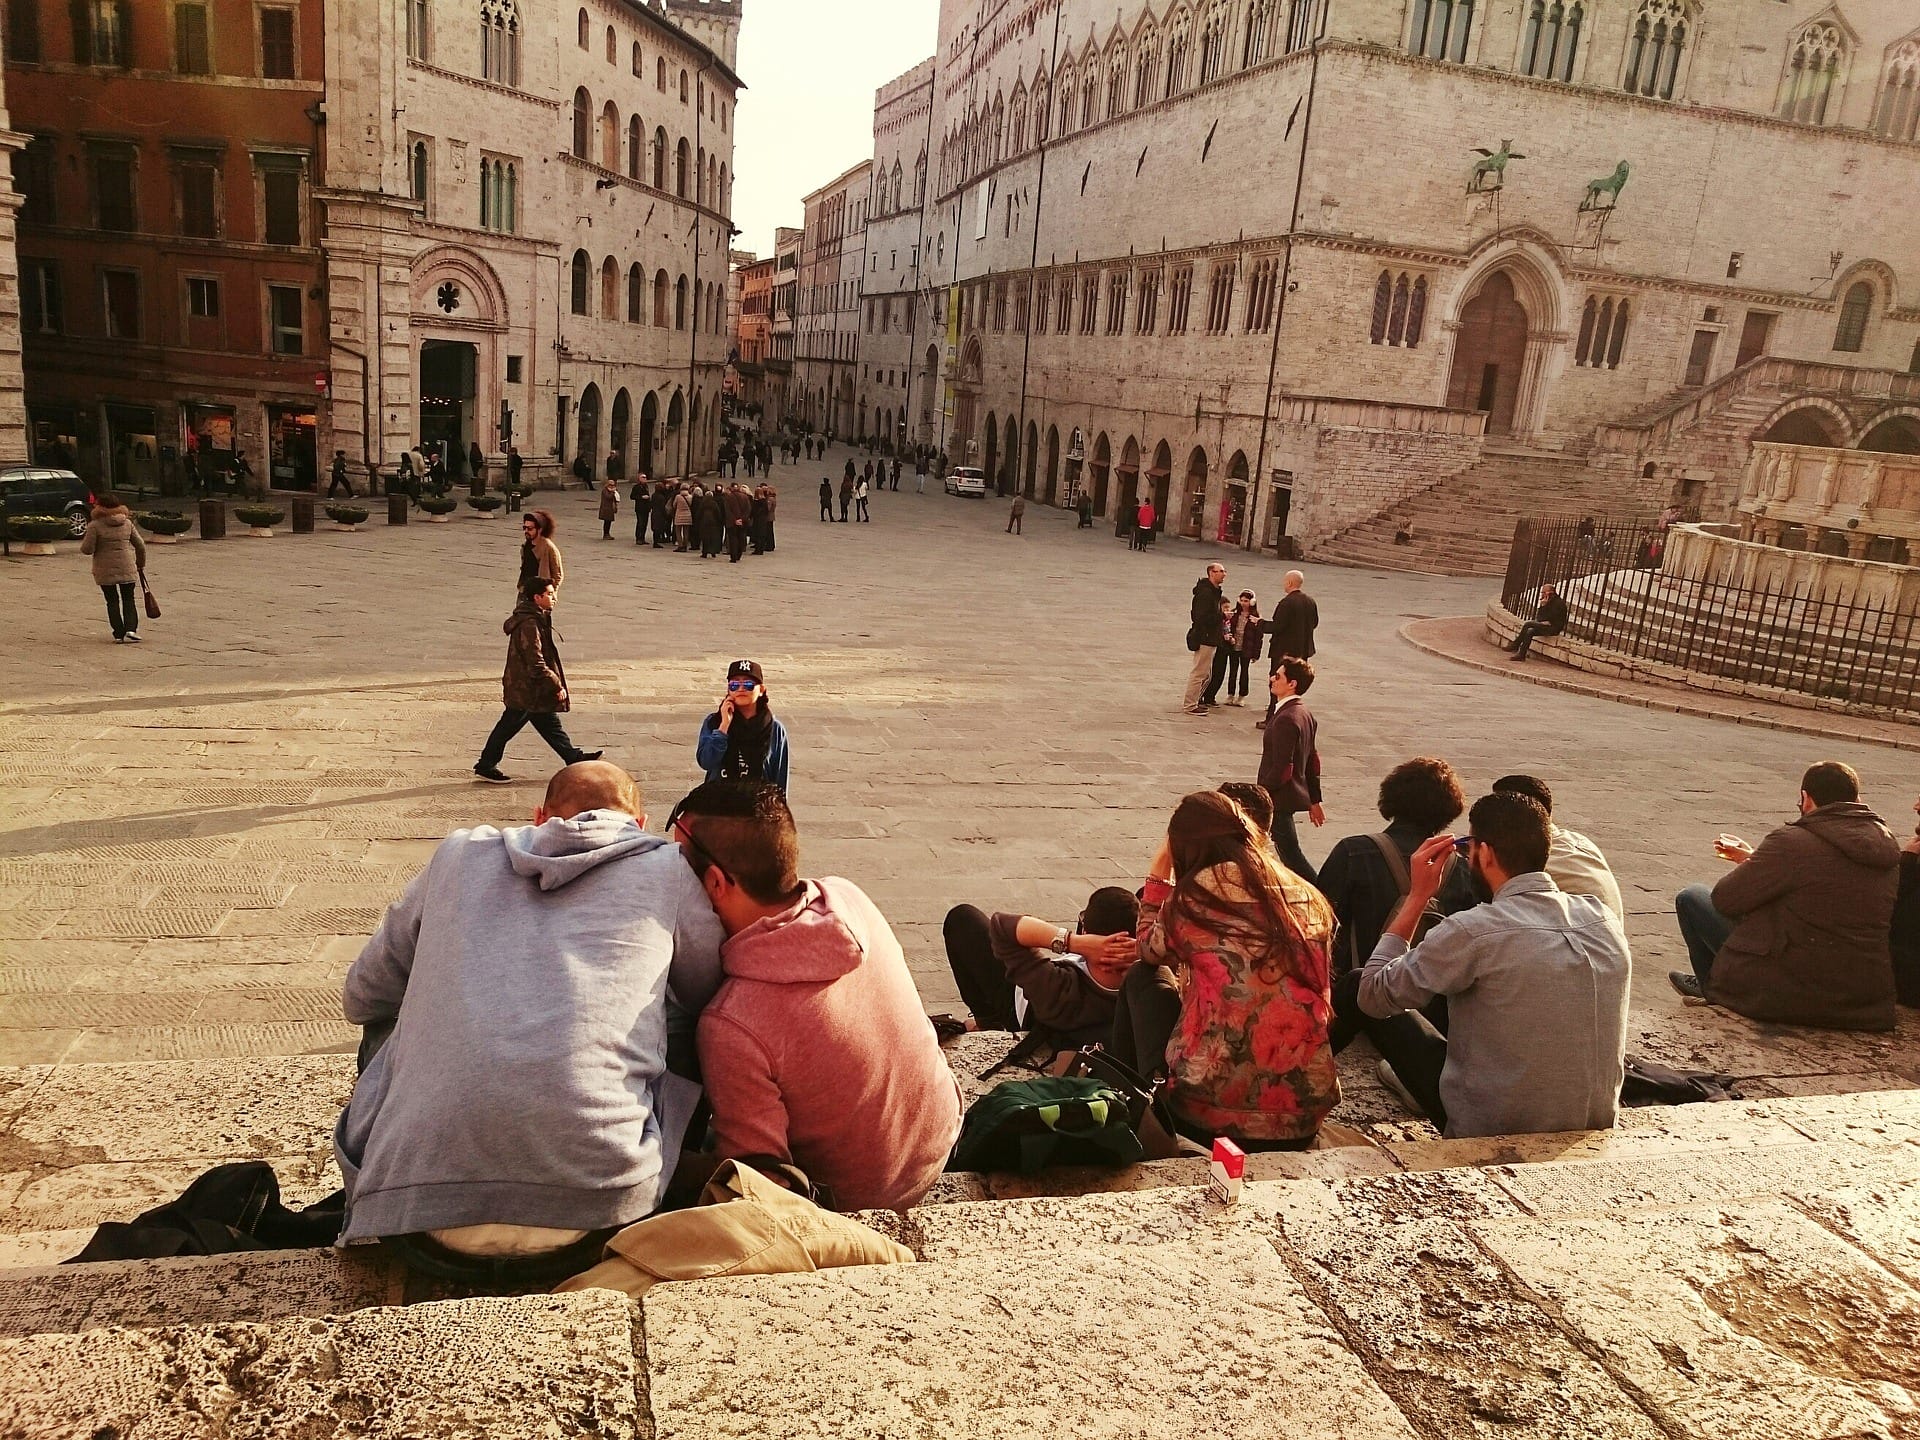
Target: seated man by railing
[[1550, 619]]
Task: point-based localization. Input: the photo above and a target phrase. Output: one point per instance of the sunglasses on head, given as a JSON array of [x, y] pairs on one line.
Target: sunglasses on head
[[746, 684], [698, 856]]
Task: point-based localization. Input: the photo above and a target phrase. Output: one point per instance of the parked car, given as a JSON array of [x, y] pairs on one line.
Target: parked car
[[966, 480], [37, 490]]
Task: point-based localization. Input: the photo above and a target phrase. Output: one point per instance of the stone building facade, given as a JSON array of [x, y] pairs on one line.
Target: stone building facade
[[13, 399], [894, 324], [753, 336], [171, 284], [832, 272], [1170, 243], [527, 230]]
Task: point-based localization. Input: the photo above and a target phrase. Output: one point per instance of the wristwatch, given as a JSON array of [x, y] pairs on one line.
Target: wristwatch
[[1060, 938]]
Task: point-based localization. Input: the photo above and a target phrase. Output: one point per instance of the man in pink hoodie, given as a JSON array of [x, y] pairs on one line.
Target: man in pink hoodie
[[815, 1051]]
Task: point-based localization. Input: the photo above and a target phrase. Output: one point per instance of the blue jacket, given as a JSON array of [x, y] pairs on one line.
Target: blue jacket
[[712, 750]]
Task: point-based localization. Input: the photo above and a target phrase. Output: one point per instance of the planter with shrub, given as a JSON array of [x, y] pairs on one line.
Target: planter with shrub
[[259, 519], [348, 517], [485, 506], [164, 527], [439, 509], [38, 532]]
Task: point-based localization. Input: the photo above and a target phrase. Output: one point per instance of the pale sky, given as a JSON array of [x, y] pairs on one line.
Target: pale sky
[[811, 67]]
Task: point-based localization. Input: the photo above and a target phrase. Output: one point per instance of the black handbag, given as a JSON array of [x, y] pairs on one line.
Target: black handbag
[[1148, 1112]]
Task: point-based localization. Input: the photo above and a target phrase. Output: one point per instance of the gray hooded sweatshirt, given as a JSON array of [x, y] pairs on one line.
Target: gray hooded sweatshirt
[[534, 974]]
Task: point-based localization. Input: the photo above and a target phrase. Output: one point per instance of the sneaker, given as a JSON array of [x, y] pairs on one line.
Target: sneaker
[[580, 755], [492, 776], [1687, 983], [119, 639], [1196, 710], [132, 638], [1392, 1081]]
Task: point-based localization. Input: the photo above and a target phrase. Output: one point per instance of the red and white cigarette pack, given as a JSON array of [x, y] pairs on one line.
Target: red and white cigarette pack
[[1228, 1171]]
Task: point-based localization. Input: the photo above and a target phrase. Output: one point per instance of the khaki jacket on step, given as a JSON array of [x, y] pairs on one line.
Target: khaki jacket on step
[[744, 1225]]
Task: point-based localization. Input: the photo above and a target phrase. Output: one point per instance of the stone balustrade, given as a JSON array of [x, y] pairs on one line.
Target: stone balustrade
[[1694, 552], [1860, 504]]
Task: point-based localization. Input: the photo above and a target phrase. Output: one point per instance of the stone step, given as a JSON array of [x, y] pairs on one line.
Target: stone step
[[1708, 1270]]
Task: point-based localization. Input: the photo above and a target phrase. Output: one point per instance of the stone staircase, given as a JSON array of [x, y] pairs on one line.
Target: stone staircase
[[1463, 525], [1748, 1268]]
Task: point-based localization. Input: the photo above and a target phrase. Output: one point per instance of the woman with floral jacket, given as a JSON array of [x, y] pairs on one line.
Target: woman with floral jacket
[[1231, 999]]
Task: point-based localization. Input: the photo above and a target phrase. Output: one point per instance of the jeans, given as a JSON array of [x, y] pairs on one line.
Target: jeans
[[860, 506], [826, 511], [845, 500], [640, 515], [498, 1274], [512, 722], [123, 612], [1704, 928], [1416, 1054], [981, 979], [1145, 1016], [1237, 674], [1286, 839], [1529, 632], [606, 529]]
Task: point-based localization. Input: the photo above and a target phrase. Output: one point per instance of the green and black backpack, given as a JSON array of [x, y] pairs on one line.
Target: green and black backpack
[[1027, 1125]]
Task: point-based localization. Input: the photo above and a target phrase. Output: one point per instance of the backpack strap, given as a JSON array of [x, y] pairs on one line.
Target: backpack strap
[[1396, 863]]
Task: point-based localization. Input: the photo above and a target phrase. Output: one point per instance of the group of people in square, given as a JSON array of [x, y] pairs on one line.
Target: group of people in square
[[570, 1023]]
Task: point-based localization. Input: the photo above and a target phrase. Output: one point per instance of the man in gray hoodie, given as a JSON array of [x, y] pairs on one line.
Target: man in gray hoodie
[[534, 980]]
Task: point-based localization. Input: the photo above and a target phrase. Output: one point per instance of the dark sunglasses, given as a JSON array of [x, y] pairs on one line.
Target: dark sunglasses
[[742, 684]]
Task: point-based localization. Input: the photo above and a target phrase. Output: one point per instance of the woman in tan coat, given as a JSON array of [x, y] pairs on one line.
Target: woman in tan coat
[[119, 560], [609, 506]]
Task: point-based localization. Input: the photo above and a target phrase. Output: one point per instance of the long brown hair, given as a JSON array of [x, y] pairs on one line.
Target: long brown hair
[[1209, 829]]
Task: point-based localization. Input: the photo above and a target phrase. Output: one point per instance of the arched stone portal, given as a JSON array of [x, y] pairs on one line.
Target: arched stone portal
[[1490, 354], [587, 441]]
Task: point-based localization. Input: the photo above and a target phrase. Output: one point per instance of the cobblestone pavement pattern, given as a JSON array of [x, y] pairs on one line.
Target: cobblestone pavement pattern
[[196, 833]]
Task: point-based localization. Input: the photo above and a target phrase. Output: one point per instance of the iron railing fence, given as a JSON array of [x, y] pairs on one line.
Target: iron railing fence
[[1820, 644]]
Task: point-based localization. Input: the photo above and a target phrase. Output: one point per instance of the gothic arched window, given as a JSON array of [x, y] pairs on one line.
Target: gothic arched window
[[1655, 46], [1442, 29], [582, 122], [1898, 114], [1814, 63], [1552, 39], [1851, 333]]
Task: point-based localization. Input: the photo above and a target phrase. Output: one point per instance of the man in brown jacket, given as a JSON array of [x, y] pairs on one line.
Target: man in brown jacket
[[534, 686], [1797, 932]]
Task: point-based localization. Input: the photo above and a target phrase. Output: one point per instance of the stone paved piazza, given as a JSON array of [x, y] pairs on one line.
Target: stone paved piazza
[[197, 832]]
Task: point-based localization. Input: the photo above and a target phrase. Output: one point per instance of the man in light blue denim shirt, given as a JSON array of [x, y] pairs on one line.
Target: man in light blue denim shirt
[[1536, 983]]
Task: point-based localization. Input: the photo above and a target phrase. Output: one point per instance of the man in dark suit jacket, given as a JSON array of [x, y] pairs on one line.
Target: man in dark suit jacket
[[1294, 620]]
